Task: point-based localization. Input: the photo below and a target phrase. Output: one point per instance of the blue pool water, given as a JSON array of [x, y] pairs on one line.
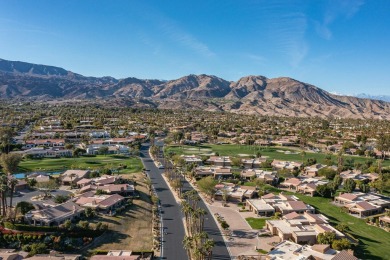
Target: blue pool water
[[23, 175]]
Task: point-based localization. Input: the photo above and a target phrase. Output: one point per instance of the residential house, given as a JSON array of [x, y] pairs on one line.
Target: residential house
[[253, 163], [222, 161], [223, 173], [103, 203], [234, 193], [363, 209], [44, 143], [123, 255], [39, 177], [303, 229], [291, 183], [55, 256], [312, 170], [291, 250], [307, 189], [54, 216], [278, 164], [192, 159], [363, 204], [266, 176], [21, 185], [260, 208], [71, 177], [284, 204], [42, 152]]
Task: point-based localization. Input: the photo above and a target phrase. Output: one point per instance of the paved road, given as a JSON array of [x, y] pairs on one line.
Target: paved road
[[173, 214], [27, 195], [220, 251]]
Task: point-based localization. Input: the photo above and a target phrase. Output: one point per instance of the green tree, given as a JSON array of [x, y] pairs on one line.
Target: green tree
[[83, 225], [68, 224], [89, 212], [326, 238], [337, 181], [10, 162], [207, 185], [341, 244], [327, 172], [349, 185], [103, 150], [24, 207], [60, 199], [31, 182]]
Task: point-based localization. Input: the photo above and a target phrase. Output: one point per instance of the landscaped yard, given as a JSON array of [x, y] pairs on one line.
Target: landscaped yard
[[272, 152], [374, 242], [98, 162], [256, 223], [132, 229]]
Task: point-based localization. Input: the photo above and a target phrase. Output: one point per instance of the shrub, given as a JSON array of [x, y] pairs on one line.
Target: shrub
[[224, 225], [26, 248], [38, 248], [83, 224]]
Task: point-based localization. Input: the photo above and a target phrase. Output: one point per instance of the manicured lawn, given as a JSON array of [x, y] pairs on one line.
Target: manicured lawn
[[256, 223], [271, 152], [373, 242], [99, 162]]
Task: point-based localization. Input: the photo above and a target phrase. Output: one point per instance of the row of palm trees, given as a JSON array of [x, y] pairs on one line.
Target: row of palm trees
[[196, 242], [9, 164]]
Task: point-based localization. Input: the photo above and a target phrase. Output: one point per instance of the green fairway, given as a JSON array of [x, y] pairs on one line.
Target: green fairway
[[99, 162], [256, 223], [278, 153]]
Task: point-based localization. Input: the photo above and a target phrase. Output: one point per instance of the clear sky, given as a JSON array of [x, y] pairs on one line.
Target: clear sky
[[341, 46]]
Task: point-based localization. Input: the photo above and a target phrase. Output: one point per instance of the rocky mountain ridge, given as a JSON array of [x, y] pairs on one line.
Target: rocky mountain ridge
[[250, 95]]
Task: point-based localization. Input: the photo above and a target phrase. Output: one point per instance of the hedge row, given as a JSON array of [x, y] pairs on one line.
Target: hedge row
[[22, 227]]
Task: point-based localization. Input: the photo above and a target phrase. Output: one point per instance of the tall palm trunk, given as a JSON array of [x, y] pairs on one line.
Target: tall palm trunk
[[11, 195]]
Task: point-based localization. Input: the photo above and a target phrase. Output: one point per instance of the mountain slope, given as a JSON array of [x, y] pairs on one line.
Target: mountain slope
[[251, 95]]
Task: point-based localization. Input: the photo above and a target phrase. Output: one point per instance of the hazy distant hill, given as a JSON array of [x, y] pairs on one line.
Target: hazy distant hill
[[250, 95], [379, 97]]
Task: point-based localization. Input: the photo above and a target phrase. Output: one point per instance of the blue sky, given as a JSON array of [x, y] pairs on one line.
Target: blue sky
[[341, 46]]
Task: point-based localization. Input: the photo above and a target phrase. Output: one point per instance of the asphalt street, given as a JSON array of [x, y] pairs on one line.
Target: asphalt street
[[172, 217], [26, 195]]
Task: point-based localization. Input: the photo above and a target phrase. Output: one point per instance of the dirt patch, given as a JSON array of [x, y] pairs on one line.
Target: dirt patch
[[132, 229]]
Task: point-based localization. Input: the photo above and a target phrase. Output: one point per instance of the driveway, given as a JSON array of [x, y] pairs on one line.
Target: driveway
[[26, 195], [243, 239]]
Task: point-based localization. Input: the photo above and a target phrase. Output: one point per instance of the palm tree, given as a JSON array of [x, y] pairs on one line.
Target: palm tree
[[3, 192], [201, 213], [208, 247], [11, 184], [303, 154], [187, 244]]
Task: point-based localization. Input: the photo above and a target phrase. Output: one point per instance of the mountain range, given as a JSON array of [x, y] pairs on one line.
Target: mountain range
[[250, 95]]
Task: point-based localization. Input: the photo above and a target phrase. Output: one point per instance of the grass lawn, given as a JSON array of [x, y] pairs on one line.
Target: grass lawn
[[132, 229], [100, 161], [271, 152], [373, 242], [256, 223]]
